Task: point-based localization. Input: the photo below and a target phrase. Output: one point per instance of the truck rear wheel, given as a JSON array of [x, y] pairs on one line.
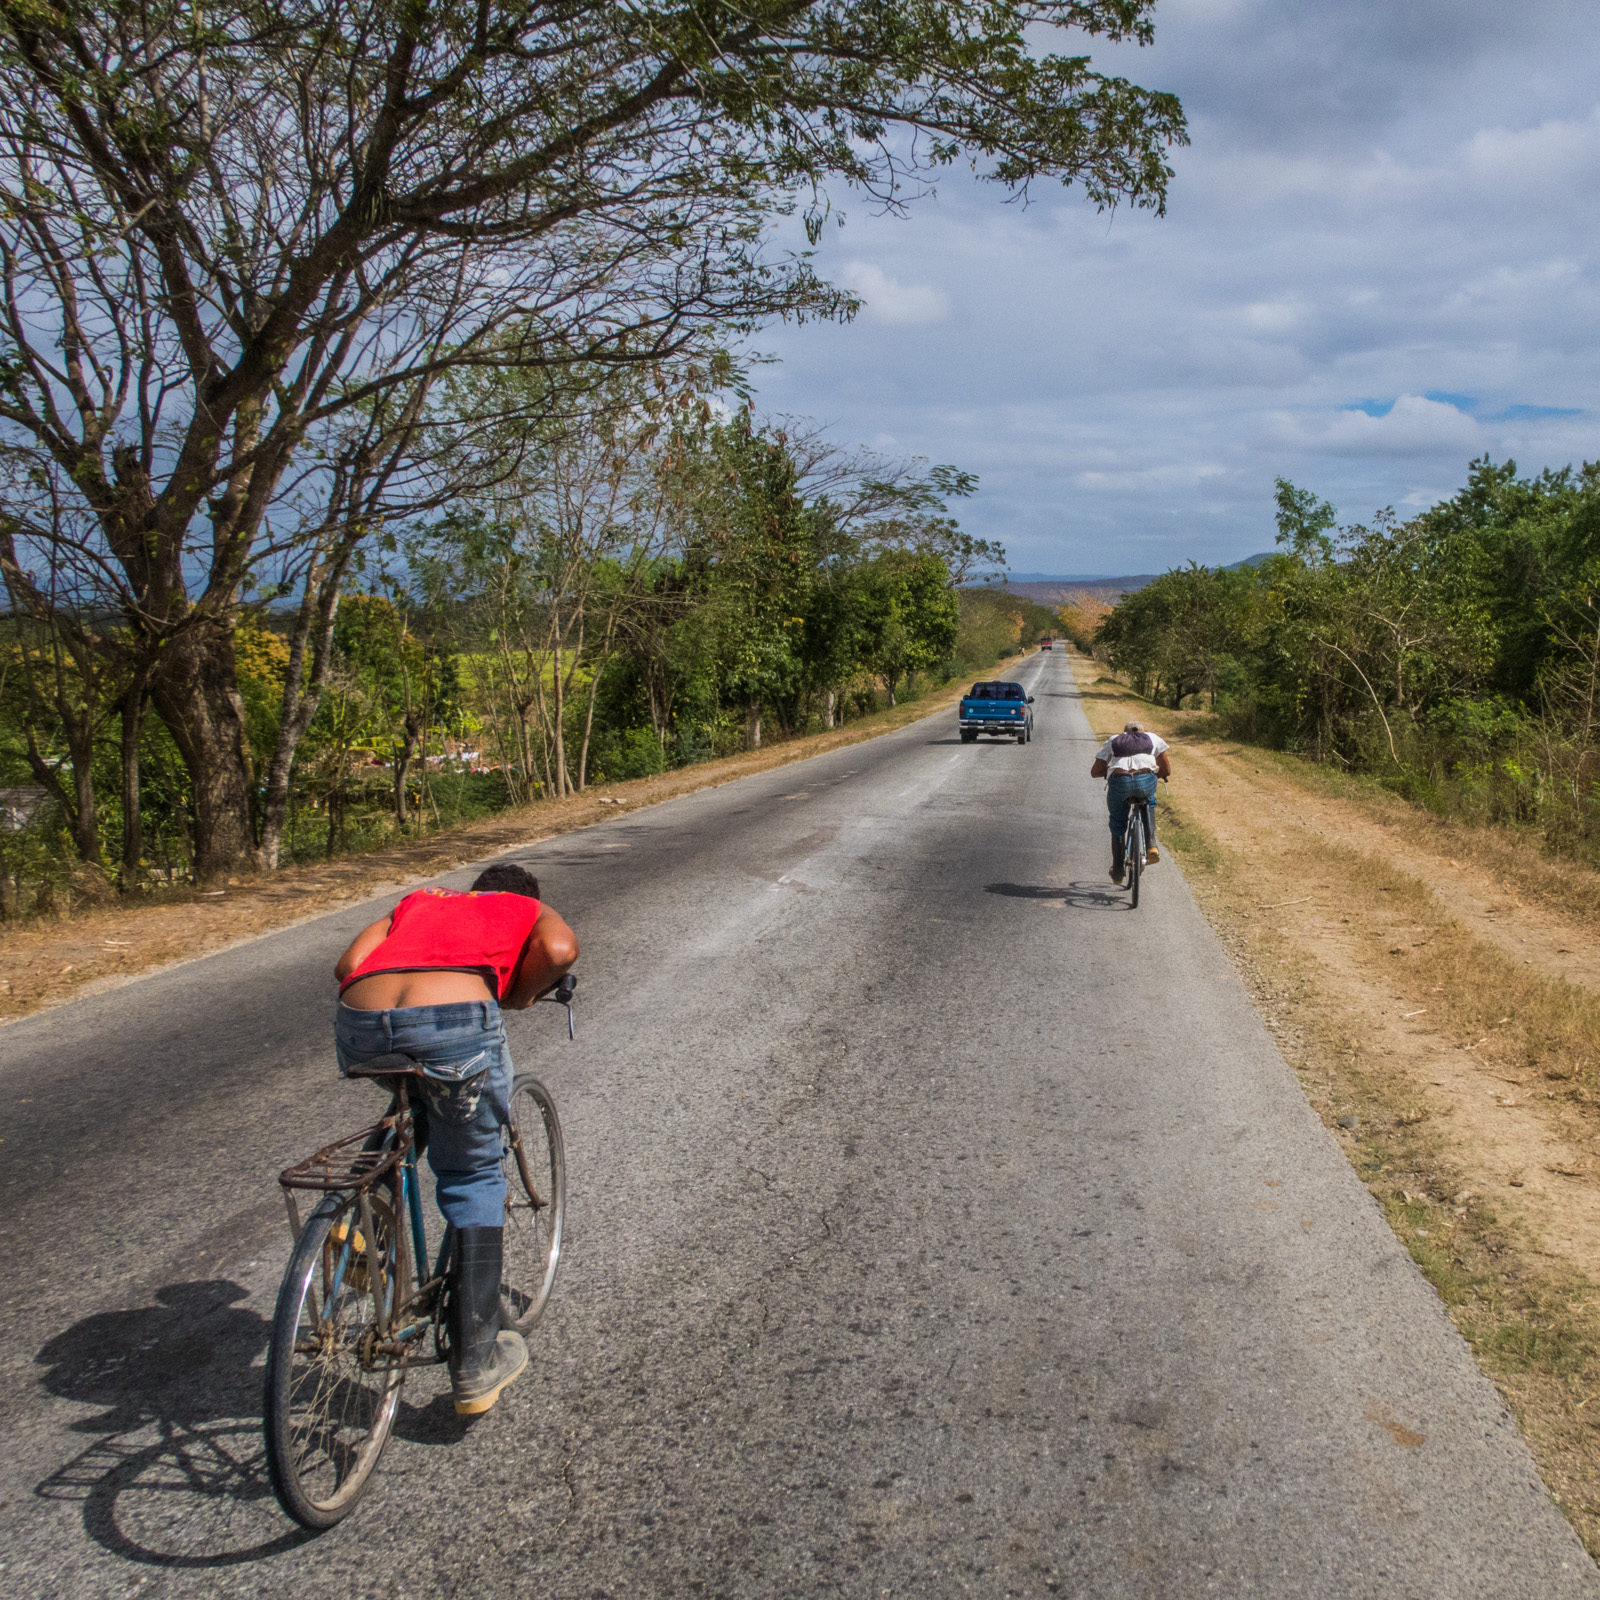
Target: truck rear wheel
[[968, 738]]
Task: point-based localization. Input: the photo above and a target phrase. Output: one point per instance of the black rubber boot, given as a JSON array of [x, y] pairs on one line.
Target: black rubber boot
[[483, 1359], [1116, 860]]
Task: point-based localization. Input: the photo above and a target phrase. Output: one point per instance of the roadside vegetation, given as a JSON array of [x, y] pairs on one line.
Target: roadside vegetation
[[1453, 657], [431, 307], [47, 959], [619, 607]]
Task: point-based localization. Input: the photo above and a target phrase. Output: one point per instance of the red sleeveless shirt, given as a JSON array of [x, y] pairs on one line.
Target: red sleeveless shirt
[[444, 930]]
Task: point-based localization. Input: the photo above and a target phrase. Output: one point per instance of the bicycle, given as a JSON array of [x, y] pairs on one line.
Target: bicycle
[[354, 1312], [1133, 845]]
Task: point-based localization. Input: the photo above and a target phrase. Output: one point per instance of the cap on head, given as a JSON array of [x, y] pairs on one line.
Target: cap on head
[[1131, 727]]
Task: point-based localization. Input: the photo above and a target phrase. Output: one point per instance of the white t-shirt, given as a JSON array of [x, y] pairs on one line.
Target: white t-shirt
[[1139, 761]]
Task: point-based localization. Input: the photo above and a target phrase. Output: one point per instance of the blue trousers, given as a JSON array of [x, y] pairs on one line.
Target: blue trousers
[[1120, 788], [466, 1089]]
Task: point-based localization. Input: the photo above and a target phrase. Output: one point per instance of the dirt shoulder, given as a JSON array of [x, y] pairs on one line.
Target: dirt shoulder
[[46, 962], [1437, 989]]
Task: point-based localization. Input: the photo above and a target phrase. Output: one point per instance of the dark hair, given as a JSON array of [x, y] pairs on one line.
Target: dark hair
[[506, 878]]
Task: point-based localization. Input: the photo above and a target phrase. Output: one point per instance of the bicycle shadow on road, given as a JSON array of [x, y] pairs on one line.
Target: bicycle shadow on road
[[177, 1474], [1081, 895]]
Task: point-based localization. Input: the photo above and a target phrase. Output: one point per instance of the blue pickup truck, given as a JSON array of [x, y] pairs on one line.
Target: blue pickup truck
[[998, 708]]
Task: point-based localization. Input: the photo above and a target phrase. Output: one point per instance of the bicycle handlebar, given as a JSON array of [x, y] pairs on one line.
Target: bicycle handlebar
[[561, 995]]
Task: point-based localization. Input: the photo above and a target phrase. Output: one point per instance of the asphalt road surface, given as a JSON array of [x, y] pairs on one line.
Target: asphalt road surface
[[938, 1226]]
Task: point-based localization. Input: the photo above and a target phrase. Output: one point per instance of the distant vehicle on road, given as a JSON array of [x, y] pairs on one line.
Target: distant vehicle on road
[[997, 708], [1046, 643]]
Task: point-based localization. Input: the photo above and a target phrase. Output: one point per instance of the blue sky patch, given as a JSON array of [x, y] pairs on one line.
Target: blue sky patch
[[1533, 413]]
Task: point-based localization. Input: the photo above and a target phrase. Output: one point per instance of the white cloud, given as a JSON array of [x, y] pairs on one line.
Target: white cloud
[[1413, 426], [900, 305], [1552, 154], [1174, 475], [1273, 316], [1380, 201]]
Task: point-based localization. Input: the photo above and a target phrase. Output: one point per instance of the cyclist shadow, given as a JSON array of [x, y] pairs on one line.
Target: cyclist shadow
[[176, 1473], [1080, 895]]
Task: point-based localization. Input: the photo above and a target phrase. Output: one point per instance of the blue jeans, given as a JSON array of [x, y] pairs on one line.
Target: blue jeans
[[1120, 788], [466, 1089]]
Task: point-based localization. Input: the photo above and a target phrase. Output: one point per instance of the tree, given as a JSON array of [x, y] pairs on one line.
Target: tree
[[751, 554], [241, 244], [552, 553], [864, 504], [71, 676], [1304, 522], [385, 658], [911, 616]]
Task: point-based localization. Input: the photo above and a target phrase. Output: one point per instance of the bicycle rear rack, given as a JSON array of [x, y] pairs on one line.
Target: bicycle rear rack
[[351, 1163]]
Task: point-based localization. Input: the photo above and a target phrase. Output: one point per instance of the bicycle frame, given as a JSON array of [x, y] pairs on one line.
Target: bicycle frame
[[1138, 810], [383, 1156], [412, 1315]]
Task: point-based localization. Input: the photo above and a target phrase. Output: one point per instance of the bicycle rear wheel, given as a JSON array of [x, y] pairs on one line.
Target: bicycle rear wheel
[[536, 1202], [328, 1412], [1135, 857]]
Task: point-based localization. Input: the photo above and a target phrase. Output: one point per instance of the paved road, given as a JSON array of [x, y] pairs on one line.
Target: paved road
[[938, 1227]]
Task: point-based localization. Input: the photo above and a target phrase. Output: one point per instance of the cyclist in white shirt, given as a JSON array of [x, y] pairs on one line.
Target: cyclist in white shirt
[[1131, 762]]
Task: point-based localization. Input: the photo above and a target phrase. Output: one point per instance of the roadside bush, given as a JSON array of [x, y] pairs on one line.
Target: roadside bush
[[627, 753]]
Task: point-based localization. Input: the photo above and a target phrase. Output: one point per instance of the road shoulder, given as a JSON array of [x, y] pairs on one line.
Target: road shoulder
[[1437, 990]]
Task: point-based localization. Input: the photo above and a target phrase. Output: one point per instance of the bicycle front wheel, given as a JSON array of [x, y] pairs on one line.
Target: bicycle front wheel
[[329, 1405], [1135, 859], [536, 1202]]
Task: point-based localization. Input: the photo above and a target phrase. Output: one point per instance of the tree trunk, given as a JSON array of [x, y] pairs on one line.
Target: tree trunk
[[561, 783], [8, 891], [196, 696], [131, 709], [752, 726], [402, 765], [79, 806], [595, 672], [827, 708], [303, 680], [76, 723]]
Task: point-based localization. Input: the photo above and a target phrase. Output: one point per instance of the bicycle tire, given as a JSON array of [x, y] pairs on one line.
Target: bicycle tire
[[1135, 858], [536, 1203], [323, 1441]]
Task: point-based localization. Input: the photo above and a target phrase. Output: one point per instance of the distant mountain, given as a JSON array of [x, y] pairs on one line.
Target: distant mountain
[[1053, 588], [1058, 577]]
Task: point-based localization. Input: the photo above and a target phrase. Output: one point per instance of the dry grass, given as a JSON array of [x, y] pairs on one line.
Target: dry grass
[[1512, 1015], [1515, 856], [45, 962], [1458, 1077]]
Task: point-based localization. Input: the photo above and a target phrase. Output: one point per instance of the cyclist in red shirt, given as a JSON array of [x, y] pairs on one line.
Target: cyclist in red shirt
[[429, 981]]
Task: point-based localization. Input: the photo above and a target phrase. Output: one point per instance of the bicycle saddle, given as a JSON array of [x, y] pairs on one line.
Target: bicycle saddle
[[386, 1067]]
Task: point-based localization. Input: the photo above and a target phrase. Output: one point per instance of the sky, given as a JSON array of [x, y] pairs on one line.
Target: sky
[[1379, 262]]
